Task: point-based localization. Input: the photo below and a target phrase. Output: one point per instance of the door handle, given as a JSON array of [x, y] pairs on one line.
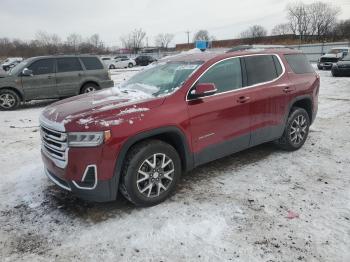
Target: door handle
[[49, 77], [243, 99], [287, 89]]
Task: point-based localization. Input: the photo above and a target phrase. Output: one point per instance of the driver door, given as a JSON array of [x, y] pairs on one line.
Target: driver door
[[42, 83], [220, 123]]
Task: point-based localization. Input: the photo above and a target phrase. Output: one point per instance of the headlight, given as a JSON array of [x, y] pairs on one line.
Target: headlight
[[85, 139]]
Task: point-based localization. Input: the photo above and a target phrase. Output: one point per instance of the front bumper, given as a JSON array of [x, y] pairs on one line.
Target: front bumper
[[96, 190], [107, 84], [324, 65]]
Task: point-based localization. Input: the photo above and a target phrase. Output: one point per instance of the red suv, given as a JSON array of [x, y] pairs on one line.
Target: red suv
[[176, 115]]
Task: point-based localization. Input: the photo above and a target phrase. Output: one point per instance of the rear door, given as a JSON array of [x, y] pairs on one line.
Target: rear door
[[220, 123], [69, 76], [266, 80], [42, 84]]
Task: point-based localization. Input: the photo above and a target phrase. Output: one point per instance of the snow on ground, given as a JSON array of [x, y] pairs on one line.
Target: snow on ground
[[235, 208]]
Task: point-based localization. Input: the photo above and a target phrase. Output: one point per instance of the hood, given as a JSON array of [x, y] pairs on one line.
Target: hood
[[98, 109], [343, 64], [3, 74]]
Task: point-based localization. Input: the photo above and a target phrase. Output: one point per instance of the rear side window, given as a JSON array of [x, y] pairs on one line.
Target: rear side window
[[226, 75], [69, 64], [260, 69], [42, 67], [91, 63], [299, 63]]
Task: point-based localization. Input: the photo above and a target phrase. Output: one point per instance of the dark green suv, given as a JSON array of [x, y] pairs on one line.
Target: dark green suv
[[52, 77]]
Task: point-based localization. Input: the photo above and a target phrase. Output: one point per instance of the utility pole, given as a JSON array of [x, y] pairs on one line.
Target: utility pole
[[188, 39]]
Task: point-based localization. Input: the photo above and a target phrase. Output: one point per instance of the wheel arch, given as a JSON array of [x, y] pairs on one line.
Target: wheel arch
[[304, 102], [19, 93], [170, 134]]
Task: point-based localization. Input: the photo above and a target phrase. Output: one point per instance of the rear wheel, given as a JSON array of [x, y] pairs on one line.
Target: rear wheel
[[9, 99], [88, 88], [150, 173], [130, 65], [296, 130]]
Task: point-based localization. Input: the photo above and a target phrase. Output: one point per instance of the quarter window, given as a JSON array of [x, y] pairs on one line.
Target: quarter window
[[226, 75], [69, 64], [299, 63], [42, 67], [260, 69], [91, 63]]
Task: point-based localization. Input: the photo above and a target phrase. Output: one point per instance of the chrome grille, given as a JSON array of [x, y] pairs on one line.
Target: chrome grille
[[54, 145]]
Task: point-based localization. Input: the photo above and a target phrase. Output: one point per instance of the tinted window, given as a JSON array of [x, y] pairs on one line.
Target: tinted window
[[260, 69], [226, 75], [278, 66], [91, 63], [42, 67], [299, 63], [69, 64]]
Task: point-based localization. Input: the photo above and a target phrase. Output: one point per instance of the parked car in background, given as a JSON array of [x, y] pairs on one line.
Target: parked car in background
[[10, 63], [106, 60], [122, 62], [52, 77], [165, 120], [342, 67], [144, 60], [333, 56]]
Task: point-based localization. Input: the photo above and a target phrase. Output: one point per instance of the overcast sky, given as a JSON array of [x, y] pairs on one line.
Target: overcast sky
[[112, 19]]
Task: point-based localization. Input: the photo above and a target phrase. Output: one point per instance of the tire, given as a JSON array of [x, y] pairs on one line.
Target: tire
[[112, 67], [88, 88], [140, 180], [295, 135], [9, 100], [130, 65], [334, 74], [319, 68]]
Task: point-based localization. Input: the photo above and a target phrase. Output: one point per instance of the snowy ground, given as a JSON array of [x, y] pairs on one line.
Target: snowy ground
[[234, 209]]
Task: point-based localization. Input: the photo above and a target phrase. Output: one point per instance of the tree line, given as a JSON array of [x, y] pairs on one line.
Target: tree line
[[317, 21]]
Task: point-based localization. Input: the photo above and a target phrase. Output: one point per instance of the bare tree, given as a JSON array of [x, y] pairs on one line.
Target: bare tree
[[50, 43], [323, 18], [202, 35], [255, 31], [299, 18], [134, 40], [95, 40], [342, 30], [281, 29], [163, 40], [74, 40]]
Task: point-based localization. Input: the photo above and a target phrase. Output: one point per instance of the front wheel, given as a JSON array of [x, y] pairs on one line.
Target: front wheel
[[296, 130], [112, 67], [88, 88], [150, 173], [9, 100]]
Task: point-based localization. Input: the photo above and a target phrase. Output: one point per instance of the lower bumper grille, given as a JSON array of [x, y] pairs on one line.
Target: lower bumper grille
[[58, 181]]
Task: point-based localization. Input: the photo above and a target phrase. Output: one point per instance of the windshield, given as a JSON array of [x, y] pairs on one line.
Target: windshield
[[161, 79], [18, 68], [336, 51]]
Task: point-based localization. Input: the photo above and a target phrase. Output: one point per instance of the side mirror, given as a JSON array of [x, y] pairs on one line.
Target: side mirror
[[27, 72], [203, 89]]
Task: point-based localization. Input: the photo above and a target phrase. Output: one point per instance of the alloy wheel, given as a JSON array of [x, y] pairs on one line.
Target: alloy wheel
[[155, 175], [7, 100], [298, 130], [90, 89]]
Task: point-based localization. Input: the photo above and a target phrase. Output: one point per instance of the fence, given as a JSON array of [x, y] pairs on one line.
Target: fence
[[315, 51]]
